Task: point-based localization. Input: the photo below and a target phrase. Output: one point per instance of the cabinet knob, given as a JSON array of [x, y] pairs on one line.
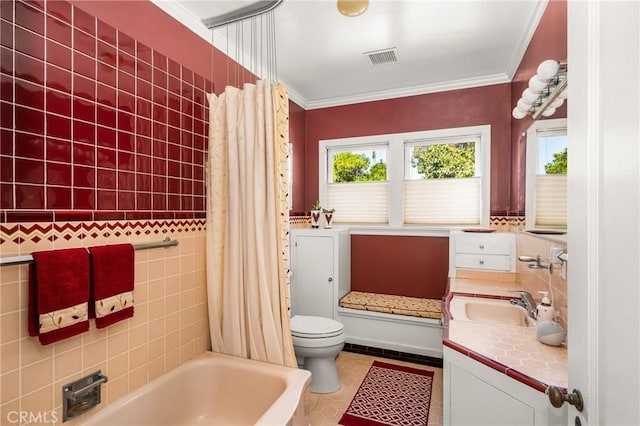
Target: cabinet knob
[[482, 262], [330, 279], [481, 246]]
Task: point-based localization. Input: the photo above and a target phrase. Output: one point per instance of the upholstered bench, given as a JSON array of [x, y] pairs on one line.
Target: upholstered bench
[[399, 323], [391, 304]]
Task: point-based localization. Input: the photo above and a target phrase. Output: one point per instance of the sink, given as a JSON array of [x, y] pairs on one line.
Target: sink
[[489, 310]]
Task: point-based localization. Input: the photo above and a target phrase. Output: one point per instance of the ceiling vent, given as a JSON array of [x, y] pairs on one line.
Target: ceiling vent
[[383, 56]]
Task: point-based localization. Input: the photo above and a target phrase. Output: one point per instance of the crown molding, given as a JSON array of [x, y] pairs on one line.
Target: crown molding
[[409, 91], [525, 39], [181, 14]]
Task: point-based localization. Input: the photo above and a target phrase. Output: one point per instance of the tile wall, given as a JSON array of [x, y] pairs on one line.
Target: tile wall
[[94, 124], [102, 141], [169, 326], [534, 280]]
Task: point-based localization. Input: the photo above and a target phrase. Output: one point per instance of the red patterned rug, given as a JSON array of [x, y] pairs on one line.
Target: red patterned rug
[[391, 395]]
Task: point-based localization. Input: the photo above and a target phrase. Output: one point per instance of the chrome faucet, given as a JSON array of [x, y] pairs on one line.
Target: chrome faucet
[[526, 301]]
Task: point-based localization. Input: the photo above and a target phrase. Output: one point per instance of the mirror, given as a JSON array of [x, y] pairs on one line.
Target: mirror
[[546, 175]]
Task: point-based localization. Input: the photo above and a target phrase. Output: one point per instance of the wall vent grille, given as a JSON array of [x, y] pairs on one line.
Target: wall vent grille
[[383, 56]]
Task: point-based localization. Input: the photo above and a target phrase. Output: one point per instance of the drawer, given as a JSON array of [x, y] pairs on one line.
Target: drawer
[[482, 244], [479, 261]]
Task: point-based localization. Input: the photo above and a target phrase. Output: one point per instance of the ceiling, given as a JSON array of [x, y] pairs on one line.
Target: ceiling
[[440, 44]]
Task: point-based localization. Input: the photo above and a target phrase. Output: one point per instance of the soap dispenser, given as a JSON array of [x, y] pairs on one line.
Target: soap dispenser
[[545, 312]]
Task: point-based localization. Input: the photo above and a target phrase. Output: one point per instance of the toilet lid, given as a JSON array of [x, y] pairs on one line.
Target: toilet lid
[[315, 327]]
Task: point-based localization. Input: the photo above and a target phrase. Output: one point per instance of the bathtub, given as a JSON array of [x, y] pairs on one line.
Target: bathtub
[[213, 389]]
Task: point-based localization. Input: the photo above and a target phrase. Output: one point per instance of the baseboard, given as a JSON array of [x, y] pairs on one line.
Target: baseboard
[[391, 354]]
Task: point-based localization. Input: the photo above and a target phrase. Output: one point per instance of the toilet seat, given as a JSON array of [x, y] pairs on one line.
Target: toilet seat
[[311, 327]]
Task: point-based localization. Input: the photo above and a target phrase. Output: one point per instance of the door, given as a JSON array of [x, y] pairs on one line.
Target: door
[[312, 280], [603, 216]]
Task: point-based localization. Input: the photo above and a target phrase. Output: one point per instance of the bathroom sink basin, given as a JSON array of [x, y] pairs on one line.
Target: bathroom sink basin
[[489, 310]]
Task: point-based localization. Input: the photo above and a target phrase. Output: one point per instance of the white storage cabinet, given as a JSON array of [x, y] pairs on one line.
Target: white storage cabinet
[[475, 395], [482, 251], [320, 270]]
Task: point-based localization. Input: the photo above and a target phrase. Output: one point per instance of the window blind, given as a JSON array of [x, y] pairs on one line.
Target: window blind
[[551, 200], [442, 201], [359, 202]]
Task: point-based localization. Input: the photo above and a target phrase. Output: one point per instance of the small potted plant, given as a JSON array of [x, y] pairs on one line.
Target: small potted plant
[[328, 217], [316, 211]]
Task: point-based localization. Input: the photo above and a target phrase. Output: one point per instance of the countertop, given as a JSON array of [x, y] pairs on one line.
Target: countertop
[[510, 349]]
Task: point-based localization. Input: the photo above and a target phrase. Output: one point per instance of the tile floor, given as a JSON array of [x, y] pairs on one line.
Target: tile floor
[[326, 409]]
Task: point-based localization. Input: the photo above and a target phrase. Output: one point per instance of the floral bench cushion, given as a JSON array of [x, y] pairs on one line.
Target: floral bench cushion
[[390, 304]]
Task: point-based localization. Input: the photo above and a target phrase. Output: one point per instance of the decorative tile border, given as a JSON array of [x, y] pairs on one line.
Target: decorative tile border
[[36, 232], [300, 220], [507, 223], [21, 216], [499, 223]]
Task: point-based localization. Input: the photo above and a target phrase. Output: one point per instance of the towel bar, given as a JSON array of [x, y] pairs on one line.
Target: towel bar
[[18, 260]]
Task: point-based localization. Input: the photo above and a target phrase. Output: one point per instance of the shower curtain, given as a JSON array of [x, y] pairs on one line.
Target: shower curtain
[[248, 223]]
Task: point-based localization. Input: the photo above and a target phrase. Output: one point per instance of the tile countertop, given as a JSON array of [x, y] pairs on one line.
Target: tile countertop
[[510, 349]]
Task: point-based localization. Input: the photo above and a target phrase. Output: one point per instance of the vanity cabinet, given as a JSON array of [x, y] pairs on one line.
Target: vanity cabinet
[[475, 394], [320, 270], [482, 251]]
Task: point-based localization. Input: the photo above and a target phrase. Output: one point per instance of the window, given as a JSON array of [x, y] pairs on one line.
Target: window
[[356, 183], [546, 180], [441, 183], [438, 177]]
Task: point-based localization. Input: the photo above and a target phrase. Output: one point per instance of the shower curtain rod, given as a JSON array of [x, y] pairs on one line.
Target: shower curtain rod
[[19, 260], [254, 9]]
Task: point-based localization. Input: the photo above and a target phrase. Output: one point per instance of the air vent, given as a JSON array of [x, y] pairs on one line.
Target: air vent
[[383, 56]]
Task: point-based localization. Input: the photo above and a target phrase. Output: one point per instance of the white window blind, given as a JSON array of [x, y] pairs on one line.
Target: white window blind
[[442, 201], [551, 201], [359, 202]]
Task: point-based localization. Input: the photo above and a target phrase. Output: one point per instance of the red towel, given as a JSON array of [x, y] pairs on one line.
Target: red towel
[[112, 269], [58, 294]]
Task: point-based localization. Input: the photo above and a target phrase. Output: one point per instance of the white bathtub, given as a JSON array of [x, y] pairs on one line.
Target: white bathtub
[[213, 389]]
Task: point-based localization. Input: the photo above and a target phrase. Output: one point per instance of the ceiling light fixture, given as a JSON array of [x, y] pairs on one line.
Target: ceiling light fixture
[[352, 8], [546, 92]]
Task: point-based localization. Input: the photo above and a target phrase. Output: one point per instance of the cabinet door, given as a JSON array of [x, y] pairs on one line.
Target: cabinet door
[[476, 402], [312, 277]]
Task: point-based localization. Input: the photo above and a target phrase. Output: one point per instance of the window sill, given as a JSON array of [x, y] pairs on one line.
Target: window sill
[[417, 231], [558, 238]]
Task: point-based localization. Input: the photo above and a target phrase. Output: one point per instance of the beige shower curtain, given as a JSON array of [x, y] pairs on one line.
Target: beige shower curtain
[[248, 223]]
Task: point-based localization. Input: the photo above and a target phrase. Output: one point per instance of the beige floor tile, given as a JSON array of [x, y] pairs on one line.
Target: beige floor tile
[[327, 409]]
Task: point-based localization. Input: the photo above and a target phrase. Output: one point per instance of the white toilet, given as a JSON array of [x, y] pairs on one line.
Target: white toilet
[[316, 342]]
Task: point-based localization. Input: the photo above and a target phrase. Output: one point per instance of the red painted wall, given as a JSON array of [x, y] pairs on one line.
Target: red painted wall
[[549, 42], [455, 108], [297, 134], [400, 265]]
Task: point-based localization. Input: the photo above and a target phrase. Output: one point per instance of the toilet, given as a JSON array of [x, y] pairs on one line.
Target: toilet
[[317, 342]]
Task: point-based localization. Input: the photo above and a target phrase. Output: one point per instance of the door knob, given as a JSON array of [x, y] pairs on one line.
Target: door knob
[[557, 398]]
